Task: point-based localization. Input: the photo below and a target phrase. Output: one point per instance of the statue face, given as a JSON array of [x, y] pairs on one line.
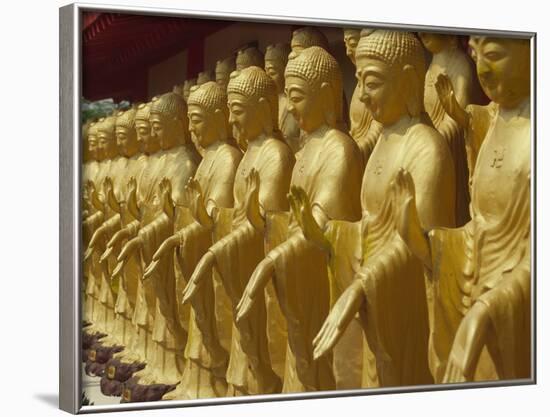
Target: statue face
[[276, 71], [202, 126], [148, 144], [92, 146], [125, 141], [503, 69], [106, 145], [160, 130], [434, 42], [304, 103], [351, 39], [244, 117], [381, 90]]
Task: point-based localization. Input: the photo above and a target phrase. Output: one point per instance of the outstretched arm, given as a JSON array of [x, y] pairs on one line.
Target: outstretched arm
[[343, 311], [255, 288]]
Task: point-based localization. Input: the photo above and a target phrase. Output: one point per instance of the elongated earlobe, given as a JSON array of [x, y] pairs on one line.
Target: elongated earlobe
[[414, 98], [266, 116]]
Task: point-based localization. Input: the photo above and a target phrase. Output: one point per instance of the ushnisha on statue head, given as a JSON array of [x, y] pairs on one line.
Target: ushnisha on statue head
[[249, 57], [306, 37], [391, 70], [168, 120], [313, 85], [125, 131], [208, 114], [253, 105]]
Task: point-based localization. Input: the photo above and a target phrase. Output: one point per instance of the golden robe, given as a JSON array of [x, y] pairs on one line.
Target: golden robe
[[329, 169], [396, 321], [205, 357], [489, 260], [237, 254]]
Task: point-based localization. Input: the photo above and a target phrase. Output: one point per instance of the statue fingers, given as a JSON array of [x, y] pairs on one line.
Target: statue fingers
[[106, 254], [150, 269], [118, 269]]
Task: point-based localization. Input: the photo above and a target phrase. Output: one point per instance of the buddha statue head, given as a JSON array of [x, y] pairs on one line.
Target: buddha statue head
[[125, 131], [503, 67], [276, 57], [208, 114], [106, 140], [313, 86], [307, 37], [351, 39], [390, 72], [224, 68], [168, 120], [253, 104], [437, 42], [204, 77], [91, 136], [187, 84], [249, 57], [149, 144]]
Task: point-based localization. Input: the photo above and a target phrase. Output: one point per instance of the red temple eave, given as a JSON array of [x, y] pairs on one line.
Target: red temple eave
[[119, 49]]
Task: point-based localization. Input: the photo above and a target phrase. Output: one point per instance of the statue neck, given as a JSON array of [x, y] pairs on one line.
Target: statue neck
[[320, 132]]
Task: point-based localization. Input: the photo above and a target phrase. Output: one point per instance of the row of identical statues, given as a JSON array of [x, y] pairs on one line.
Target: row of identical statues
[[241, 239]]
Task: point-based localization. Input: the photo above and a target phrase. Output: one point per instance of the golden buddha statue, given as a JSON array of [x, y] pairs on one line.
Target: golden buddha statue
[[306, 37], [187, 87], [276, 57], [210, 190], [363, 128], [252, 100], [481, 272], [249, 57], [448, 58], [160, 214], [388, 289], [204, 77], [328, 170], [113, 167], [91, 271], [128, 147], [224, 68]]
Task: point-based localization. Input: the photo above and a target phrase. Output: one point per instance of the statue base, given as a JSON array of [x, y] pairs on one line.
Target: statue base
[[134, 392], [116, 373]]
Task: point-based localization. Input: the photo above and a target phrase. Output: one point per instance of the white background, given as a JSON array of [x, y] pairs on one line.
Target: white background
[[29, 206]]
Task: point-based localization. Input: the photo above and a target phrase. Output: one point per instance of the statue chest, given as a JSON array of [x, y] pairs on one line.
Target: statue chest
[[504, 159], [379, 172]]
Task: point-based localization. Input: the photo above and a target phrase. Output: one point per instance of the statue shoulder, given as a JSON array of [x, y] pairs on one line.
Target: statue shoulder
[[341, 143], [425, 139], [229, 154], [277, 149]]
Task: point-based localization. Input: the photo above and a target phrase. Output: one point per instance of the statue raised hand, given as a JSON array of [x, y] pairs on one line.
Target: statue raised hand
[[303, 213], [252, 200], [197, 204], [165, 188], [446, 94], [407, 220]]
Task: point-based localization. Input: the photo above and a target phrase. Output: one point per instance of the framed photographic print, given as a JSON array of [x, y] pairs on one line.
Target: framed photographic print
[[258, 208]]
